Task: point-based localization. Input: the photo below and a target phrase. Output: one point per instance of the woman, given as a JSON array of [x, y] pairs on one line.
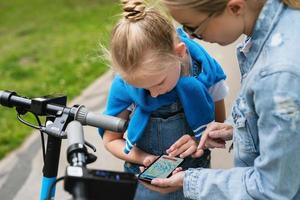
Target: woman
[[265, 115]]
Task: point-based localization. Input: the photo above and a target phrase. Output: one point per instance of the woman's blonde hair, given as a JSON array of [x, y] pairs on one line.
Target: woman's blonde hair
[[207, 6], [139, 31], [215, 6]]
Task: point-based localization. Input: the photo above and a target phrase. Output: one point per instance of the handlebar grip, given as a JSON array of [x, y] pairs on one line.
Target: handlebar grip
[[5, 98], [75, 133], [99, 120]]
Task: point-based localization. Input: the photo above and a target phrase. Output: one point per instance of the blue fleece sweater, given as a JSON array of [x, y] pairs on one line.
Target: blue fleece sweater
[[192, 92]]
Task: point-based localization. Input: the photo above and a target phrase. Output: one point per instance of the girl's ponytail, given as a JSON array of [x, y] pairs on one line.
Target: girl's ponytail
[[133, 10]]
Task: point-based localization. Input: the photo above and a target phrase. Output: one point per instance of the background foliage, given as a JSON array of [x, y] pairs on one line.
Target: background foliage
[[49, 47]]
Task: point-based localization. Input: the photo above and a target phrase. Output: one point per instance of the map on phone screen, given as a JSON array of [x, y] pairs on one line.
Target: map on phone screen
[[162, 167]]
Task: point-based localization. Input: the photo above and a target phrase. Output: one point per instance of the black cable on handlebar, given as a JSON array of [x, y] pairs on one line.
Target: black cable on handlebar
[[42, 138], [27, 123], [39, 127]]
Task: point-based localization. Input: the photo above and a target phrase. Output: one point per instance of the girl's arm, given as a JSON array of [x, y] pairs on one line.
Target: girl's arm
[[220, 111], [115, 144]]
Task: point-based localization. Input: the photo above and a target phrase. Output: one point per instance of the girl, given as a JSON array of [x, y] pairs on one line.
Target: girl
[[172, 87], [265, 115]]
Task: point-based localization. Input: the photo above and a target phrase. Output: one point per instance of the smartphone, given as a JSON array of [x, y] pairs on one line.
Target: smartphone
[[162, 167]]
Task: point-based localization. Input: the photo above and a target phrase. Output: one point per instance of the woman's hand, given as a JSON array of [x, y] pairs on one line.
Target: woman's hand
[[167, 185], [215, 135], [185, 146]]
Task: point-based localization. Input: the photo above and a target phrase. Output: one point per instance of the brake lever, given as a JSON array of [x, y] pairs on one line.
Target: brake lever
[[90, 145]]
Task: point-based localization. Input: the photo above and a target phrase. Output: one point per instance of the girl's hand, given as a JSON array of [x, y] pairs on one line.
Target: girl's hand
[[216, 135], [166, 185], [149, 159], [185, 146]]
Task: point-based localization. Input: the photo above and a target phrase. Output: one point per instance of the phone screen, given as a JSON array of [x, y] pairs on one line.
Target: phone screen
[[161, 168]]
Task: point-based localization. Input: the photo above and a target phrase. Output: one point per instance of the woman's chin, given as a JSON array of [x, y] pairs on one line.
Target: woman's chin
[[216, 42], [223, 43]]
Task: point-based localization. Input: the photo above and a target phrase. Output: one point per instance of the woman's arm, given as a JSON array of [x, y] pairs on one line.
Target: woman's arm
[[115, 144], [275, 172]]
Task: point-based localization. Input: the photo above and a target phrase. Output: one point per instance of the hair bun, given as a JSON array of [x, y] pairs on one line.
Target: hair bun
[[134, 10]]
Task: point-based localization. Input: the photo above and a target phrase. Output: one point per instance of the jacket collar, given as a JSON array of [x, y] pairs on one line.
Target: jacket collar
[[250, 49]]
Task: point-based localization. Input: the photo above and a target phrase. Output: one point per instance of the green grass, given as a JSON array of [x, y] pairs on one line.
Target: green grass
[[49, 47]]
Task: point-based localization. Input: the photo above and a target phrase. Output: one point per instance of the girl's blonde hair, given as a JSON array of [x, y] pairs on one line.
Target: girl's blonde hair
[[215, 6], [139, 31]]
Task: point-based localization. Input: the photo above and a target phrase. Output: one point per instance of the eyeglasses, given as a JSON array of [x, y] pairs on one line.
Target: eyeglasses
[[196, 31]]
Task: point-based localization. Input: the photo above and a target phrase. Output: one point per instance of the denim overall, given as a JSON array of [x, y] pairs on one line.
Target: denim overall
[[165, 127]]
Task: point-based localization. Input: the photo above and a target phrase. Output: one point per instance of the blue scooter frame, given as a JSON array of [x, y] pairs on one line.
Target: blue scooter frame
[[50, 166]]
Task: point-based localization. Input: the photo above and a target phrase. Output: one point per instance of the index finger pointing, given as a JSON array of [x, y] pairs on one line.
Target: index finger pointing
[[202, 141]]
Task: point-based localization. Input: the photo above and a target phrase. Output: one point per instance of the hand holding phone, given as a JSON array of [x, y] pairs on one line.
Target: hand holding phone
[[162, 167]]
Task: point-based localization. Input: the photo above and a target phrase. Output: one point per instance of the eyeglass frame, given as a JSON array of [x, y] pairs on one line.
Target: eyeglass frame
[[193, 31]]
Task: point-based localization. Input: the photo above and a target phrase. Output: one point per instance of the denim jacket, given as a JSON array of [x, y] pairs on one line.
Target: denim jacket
[[265, 117]]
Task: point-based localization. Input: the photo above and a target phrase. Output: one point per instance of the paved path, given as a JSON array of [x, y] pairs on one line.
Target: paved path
[[21, 171]]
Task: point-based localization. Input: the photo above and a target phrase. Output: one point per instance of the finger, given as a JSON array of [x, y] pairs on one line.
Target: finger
[[184, 139], [214, 144], [171, 151], [188, 152], [219, 126], [178, 169], [152, 159], [146, 162], [160, 189], [222, 133], [198, 153], [214, 126], [150, 186], [203, 141], [149, 160], [142, 168], [181, 151], [160, 182]]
